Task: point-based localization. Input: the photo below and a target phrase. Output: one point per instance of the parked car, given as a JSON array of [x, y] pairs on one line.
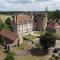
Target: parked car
[[56, 50]]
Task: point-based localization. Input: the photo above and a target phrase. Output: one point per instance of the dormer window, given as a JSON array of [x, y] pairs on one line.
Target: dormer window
[[20, 21], [25, 20]]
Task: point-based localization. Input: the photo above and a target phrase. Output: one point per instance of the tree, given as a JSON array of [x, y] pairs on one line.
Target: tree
[[50, 16], [48, 40], [8, 22], [57, 15], [1, 22], [10, 56], [54, 15], [4, 26]]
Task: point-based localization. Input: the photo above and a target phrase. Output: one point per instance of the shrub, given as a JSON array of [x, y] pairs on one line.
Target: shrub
[[38, 45], [10, 56], [48, 40]]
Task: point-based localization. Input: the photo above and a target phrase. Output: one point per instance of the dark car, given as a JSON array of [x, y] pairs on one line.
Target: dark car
[[56, 50]]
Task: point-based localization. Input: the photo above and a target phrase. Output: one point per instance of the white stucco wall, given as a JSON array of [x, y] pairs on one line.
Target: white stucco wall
[[28, 27]]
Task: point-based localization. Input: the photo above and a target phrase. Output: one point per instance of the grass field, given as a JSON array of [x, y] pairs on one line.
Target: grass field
[[4, 17], [30, 57], [30, 37], [40, 32]]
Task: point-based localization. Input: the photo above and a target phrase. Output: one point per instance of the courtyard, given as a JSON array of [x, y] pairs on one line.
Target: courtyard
[[33, 36]]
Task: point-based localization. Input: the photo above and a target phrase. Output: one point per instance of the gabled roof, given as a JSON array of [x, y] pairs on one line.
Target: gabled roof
[[9, 35], [54, 25], [23, 18]]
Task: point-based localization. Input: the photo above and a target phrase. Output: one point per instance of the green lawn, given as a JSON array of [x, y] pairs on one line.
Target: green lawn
[[25, 46], [34, 36], [30, 57], [30, 37], [39, 32]]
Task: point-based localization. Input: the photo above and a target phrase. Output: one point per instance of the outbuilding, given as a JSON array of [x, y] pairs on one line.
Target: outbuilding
[[53, 26], [9, 39]]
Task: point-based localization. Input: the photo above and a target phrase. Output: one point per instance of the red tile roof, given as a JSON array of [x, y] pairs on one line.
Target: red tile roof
[[23, 18], [54, 25], [10, 35]]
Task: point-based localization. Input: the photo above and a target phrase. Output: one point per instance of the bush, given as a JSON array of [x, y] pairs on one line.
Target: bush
[[10, 56], [38, 45], [48, 40]]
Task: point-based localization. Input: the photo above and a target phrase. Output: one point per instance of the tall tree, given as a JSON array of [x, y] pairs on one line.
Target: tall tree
[[48, 40], [8, 22]]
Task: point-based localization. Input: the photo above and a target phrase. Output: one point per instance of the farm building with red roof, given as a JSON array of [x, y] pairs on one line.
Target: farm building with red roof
[[53, 26], [9, 39]]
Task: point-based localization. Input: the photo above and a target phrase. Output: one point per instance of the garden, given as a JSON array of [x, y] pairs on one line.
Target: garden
[[33, 37]]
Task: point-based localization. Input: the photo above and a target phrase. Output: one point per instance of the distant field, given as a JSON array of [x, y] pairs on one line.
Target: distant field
[[3, 17]]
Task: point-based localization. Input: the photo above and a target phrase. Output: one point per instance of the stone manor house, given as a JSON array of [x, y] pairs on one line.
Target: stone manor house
[[22, 24], [27, 23]]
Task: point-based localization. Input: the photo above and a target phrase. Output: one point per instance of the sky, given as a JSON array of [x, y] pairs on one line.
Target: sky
[[29, 5]]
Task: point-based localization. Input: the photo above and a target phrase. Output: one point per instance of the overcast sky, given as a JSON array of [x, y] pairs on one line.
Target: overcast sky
[[29, 5]]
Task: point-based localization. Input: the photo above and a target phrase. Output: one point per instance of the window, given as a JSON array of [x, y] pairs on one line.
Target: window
[[25, 20], [19, 26], [22, 29], [19, 30], [29, 20], [20, 22]]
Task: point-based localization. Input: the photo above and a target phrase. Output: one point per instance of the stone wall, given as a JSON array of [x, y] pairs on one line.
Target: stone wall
[[41, 23]]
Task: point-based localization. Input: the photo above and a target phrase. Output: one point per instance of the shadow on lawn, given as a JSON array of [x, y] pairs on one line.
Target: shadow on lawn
[[38, 52]]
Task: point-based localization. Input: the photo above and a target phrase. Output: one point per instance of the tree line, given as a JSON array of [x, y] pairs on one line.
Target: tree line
[[53, 16]]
